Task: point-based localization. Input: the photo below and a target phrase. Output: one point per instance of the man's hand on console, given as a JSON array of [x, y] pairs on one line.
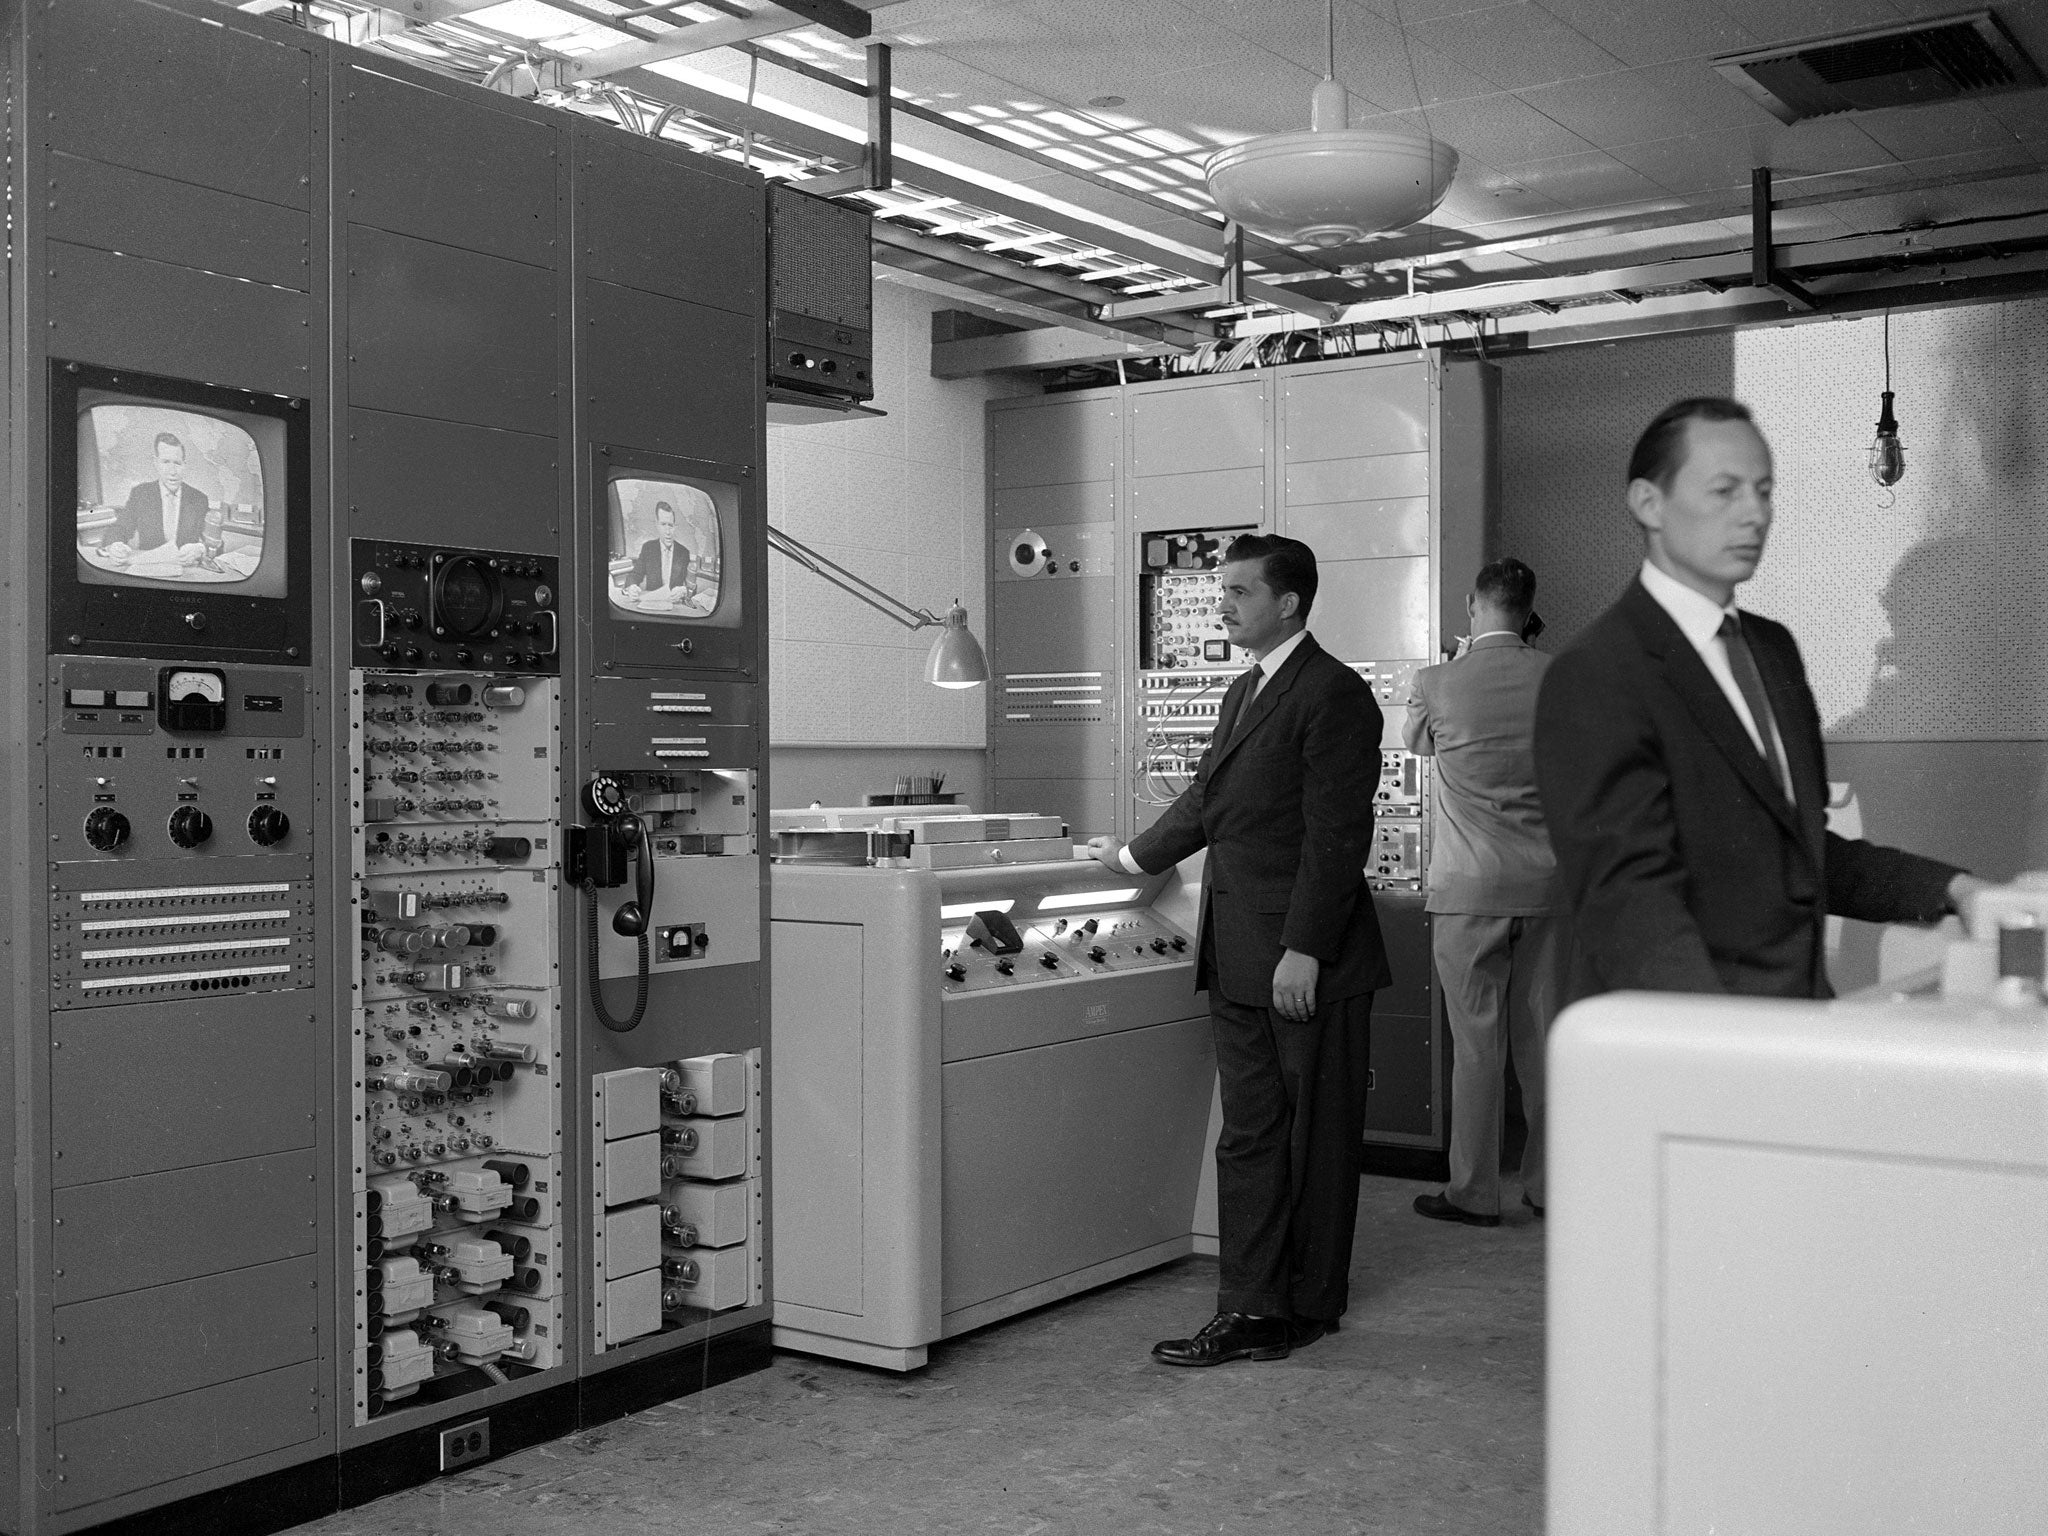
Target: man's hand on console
[[1962, 890], [1109, 853], [1294, 985]]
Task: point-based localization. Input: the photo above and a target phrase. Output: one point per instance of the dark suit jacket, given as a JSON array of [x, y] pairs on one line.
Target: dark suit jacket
[[1284, 805], [1685, 868], [646, 572], [141, 523]]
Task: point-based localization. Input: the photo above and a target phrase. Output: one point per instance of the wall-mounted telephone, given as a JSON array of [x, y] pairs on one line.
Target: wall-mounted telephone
[[599, 855]]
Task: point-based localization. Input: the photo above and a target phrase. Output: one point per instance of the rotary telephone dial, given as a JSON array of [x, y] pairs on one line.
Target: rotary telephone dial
[[616, 836]]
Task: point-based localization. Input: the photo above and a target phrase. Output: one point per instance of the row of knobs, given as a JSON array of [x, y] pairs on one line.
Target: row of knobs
[[107, 829]]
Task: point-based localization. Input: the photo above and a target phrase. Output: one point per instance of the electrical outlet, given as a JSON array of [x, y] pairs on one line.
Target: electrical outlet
[[465, 1443]]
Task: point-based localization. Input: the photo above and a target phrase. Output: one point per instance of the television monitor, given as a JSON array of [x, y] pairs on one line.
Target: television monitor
[[178, 518], [672, 562]]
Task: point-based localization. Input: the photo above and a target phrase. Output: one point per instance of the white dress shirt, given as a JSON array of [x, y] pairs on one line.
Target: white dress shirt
[[1266, 666], [171, 499], [1699, 618]]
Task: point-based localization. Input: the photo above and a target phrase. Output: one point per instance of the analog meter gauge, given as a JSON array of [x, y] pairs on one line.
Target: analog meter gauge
[[192, 699]]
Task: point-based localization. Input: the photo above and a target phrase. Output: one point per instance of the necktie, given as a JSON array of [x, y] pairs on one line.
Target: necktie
[[1751, 685], [1244, 706], [170, 517]]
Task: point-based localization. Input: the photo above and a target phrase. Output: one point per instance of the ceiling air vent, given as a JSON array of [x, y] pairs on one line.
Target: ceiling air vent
[[1955, 56]]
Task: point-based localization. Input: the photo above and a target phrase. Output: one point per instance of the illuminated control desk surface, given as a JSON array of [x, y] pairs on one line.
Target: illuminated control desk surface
[[962, 1134]]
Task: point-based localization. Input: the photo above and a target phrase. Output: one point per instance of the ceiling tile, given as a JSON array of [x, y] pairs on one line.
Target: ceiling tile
[[1496, 129], [1653, 34], [1514, 45], [1652, 103], [1939, 128], [1776, 21], [1586, 181], [2024, 112], [1487, 197]]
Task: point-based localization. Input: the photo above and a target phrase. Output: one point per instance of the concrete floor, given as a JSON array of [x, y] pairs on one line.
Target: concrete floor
[[1424, 1414]]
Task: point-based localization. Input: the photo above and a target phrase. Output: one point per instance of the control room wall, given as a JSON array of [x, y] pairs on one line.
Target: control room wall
[[898, 499], [1919, 621]]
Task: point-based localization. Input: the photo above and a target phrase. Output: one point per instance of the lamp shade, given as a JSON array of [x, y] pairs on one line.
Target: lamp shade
[[956, 660], [1331, 186]]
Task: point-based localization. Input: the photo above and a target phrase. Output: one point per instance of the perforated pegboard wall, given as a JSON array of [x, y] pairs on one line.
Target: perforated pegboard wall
[[1568, 420], [1922, 621]]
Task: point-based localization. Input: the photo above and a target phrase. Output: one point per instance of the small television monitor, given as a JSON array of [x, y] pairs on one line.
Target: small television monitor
[[672, 562], [178, 518]]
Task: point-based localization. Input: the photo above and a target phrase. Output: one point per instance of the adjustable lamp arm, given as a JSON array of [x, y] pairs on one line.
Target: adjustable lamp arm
[[846, 581]]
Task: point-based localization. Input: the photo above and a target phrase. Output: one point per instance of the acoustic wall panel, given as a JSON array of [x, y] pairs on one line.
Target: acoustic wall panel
[[436, 331], [243, 1322], [1186, 429], [1354, 412], [213, 106], [1064, 441], [1053, 506], [483, 487], [688, 230], [1361, 530], [138, 1091], [125, 312], [402, 171], [1373, 609], [662, 371], [112, 208]]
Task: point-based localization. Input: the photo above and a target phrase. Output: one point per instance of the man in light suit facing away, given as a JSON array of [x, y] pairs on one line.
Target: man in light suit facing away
[[1496, 934], [1290, 953], [1678, 750]]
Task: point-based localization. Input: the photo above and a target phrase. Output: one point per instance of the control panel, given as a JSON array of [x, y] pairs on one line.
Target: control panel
[[416, 606], [1180, 584], [457, 1031], [180, 831], [987, 950]]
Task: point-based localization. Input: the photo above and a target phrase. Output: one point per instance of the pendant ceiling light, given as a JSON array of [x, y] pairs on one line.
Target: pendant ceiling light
[[1335, 184], [1887, 453]]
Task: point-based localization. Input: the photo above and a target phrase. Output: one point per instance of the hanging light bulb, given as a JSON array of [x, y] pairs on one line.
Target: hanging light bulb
[[1887, 453]]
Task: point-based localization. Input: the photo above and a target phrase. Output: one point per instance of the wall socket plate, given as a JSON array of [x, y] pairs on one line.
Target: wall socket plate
[[465, 1443]]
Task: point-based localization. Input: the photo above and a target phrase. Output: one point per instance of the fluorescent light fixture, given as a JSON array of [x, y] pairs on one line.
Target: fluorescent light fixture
[[1086, 899], [969, 908]]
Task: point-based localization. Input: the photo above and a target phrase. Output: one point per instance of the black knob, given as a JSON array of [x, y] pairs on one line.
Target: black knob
[[956, 972], [1091, 925], [190, 826], [1050, 963], [412, 655], [268, 825], [463, 656], [1179, 944], [389, 650], [106, 829], [1005, 967], [410, 618], [1096, 954], [1159, 946]]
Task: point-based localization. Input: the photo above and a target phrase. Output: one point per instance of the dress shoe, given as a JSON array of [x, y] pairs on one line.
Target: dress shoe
[[1229, 1336], [1306, 1330], [1437, 1208], [1533, 1206]]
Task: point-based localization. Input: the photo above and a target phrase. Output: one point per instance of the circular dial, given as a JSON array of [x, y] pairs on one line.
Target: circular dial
[[190, 826], [605, 795], [467, 597], [268, 825], [106, 829]]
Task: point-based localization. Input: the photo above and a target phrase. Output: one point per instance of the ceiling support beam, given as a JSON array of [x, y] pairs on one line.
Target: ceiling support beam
[[696, 38], [1053, 346], [1764, 269], [877, 169]]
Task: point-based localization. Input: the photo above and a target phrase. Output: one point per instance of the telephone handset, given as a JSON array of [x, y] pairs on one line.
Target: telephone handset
[[616, 835]]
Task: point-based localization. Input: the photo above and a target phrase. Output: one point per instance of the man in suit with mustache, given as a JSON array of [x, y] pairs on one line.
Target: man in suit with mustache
[[1679, 755], [1290, 953]]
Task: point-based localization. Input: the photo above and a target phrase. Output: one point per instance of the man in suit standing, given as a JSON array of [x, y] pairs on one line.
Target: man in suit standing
[[663, 562], [1290, 953], [1496, 938], [1678, 750], [164, 512]]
